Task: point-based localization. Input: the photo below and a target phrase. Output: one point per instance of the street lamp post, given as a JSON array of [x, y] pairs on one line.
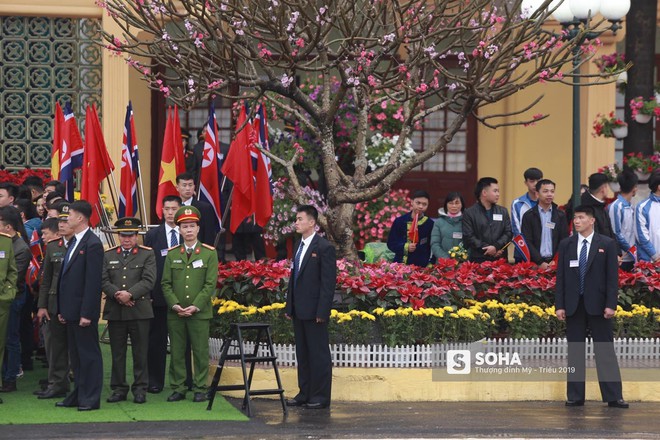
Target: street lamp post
[[574, 16]]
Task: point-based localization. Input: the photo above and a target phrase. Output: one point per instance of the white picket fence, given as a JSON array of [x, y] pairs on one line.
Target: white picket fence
[[431, 356]]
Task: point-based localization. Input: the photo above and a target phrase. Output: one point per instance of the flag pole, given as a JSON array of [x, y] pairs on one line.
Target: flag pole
[[103, 217], [224, 219], [143, 208]]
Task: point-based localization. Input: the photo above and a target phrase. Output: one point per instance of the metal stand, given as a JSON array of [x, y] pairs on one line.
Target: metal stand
[[235, 339]]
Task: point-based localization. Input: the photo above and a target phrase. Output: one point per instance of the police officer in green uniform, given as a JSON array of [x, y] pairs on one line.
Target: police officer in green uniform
[[8, 278], [189, 280], [129, 274], [55, 334]]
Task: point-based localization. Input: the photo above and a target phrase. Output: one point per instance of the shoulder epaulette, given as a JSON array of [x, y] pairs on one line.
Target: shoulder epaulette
[[112, 248], [54, 239], [145, 247], [208, 246], [173, 247], [5, 235]]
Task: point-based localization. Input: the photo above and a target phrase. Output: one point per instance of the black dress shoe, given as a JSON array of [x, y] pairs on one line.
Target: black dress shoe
[[154, 390], [575, 403], [294, 402], [618, 404], [200, 397], [176, 396], [315, 405], [140, 398], [51, 394], [114, 398], [87, 408], [64, 405], [8, 387]]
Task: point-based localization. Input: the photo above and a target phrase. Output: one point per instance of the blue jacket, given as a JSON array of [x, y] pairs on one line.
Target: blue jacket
[[397, 241], [648, 228]]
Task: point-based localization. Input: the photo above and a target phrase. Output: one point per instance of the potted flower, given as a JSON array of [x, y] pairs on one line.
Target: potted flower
[[643, 110], [612, 172], [656, 89], [614, 63], [642, 166], [609, 126]]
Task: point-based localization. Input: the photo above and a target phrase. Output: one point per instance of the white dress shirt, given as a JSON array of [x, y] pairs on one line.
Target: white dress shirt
[[79, 237], [306, 241], [589, 239]]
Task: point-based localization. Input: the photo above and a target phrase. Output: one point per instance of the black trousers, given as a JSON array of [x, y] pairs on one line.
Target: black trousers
[[157, 352], [314, 361], [244, 243], [607, 366], [57, 353], [87, 365]]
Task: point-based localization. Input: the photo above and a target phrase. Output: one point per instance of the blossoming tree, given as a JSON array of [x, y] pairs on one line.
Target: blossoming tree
[[426, 55]]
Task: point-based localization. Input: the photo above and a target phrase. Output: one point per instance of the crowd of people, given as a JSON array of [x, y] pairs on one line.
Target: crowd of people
[[155, 294], [535, 224]]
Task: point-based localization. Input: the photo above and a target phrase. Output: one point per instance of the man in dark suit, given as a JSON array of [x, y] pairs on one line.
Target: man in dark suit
[[185, 185], [586, 297], [160, 239], [309, 299], [79, 307], [544, 225]]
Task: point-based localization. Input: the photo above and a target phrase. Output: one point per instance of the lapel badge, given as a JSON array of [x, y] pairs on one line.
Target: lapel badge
[[134, 251], [196, 251]]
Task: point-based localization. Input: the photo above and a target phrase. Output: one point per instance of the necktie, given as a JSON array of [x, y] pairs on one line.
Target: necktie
[[174, 240], [583, 265], [296, 262], [69, 251], [126, 253], [189, 252]]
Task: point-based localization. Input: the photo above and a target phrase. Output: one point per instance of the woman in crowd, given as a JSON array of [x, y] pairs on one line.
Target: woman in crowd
[[448, 230]]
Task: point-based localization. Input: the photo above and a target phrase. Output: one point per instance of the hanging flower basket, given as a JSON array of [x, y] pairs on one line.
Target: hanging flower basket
[[643, 110], [641, 118], [614, 186], [609, 126], [622, 78], [642, 176], [620, 132]]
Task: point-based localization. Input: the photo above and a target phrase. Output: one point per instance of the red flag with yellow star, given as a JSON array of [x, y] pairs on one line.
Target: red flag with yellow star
[[171, 162]]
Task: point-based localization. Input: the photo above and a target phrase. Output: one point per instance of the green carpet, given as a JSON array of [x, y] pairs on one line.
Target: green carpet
[[22, 407]]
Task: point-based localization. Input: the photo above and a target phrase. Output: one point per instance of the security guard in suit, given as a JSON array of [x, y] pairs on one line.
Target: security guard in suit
[[129, 275], [190, 276], [8, 278], [55, 334]]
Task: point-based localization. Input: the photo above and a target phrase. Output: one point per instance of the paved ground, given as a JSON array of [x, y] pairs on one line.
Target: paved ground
[[385, 420]]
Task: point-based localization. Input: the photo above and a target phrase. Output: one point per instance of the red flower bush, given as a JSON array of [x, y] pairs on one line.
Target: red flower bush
[[391, 285], [18, 176]]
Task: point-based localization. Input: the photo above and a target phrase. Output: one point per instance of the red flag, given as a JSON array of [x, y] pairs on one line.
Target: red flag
[[96, 163], [521, 244], [263, 198], [209, 182], [413, 232], [171, 162], [238, 169], [32, 274], [633, 251], [178, 142], [58, 126]]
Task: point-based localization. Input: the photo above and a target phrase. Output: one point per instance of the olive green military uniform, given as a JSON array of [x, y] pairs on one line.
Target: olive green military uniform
[[55, 335], [190, 280], [134, 271], [8, 279]]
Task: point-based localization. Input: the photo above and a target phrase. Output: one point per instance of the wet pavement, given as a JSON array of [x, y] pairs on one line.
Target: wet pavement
[[351, 420]]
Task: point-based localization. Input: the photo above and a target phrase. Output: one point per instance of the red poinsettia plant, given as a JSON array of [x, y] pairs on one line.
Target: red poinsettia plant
[[18, 176]]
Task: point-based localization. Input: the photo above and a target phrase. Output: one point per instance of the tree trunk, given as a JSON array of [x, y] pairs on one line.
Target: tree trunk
[[640, 49], [340, 230]]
